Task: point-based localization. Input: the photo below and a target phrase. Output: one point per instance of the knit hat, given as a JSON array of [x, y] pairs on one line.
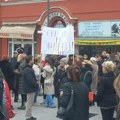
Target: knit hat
[[65, 60]]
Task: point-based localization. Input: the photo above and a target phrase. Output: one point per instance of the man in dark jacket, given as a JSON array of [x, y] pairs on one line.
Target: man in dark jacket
[[30, 86]]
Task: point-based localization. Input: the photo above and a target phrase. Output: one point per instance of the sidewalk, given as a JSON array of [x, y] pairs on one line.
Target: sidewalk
[[42, 113]]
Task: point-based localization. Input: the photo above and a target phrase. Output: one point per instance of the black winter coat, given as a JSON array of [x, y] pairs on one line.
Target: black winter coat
[[106, 95], [59, 80], [29, 80], [8, 72], [86, 76], [20, 77], [81, 102], [13, 62]]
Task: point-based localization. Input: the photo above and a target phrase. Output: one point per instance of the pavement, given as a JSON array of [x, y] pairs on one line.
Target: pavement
[[42, 113]]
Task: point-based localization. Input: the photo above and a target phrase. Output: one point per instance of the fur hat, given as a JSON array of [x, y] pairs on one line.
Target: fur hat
[[85, 62], [65, 60]]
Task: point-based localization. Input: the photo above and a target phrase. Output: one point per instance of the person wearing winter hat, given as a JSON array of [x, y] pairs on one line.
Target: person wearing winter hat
[[60, 77], [65, 62]]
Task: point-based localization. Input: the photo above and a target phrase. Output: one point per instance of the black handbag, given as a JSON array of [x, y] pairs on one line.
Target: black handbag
[[67, 112]]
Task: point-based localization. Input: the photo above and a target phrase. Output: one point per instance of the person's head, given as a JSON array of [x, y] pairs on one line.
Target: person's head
[[85, 57], [79, 58], [73, 73], [98, 57], [108, 55], [29, 60], [49, 61], [15, 54], [20, 50], [103, 53], [63, 61], [5, 58], [21, 57], [71, 57], [38, 57], [35, 61], [108, 66]]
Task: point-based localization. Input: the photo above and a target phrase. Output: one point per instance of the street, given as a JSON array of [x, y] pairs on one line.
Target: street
[[42, 113]]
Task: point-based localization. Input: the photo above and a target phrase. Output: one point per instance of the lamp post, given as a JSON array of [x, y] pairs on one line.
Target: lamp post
[[48, 12]]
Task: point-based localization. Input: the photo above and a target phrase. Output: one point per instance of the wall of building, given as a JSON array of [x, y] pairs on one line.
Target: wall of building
[[0, 14], [83, 10], [3, 47]]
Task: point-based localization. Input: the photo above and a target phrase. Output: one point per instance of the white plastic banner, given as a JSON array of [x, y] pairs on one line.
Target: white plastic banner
[[57, 41]]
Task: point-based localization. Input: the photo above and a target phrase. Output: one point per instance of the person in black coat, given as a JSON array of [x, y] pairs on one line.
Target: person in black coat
[[8, 72], [106, 95], [81, 91], [60, 77], [86, 74], [30, 86]]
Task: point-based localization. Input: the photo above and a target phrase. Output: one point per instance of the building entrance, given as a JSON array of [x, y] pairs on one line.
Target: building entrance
[[27, 45]]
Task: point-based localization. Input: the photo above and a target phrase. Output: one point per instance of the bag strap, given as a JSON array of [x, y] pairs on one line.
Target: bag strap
[[87, 73]]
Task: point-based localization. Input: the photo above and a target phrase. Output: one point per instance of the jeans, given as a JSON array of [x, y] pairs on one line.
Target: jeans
[[49, 101], [35, 98], [107, 114]]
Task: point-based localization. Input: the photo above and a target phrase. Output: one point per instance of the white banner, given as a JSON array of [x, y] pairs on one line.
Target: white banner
[[57, 41]]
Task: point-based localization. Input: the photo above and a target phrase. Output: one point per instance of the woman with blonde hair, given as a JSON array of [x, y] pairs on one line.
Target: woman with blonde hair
[[21, 63], [106, 94], [117, 88]]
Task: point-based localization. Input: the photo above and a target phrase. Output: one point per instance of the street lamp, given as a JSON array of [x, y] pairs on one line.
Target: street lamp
[[48, 12]]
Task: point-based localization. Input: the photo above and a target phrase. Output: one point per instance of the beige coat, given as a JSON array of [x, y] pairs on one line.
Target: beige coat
[[95, 78], [48, 74], [117, 88]]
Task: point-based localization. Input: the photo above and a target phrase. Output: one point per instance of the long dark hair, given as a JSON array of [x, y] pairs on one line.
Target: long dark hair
[[73, 73], [50, 62]]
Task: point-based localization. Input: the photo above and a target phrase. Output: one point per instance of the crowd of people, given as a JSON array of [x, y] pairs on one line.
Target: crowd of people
[[99, 75]]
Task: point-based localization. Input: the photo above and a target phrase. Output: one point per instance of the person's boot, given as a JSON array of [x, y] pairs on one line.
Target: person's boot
[[22, 107], [16, 98]]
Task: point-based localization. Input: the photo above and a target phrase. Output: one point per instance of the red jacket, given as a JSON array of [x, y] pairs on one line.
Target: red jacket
[[6, 102]]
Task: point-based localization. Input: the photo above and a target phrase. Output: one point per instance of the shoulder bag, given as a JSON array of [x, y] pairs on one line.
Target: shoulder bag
[[63, 113]]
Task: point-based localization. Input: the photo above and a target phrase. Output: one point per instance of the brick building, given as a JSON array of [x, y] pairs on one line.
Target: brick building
[[96, 24]]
